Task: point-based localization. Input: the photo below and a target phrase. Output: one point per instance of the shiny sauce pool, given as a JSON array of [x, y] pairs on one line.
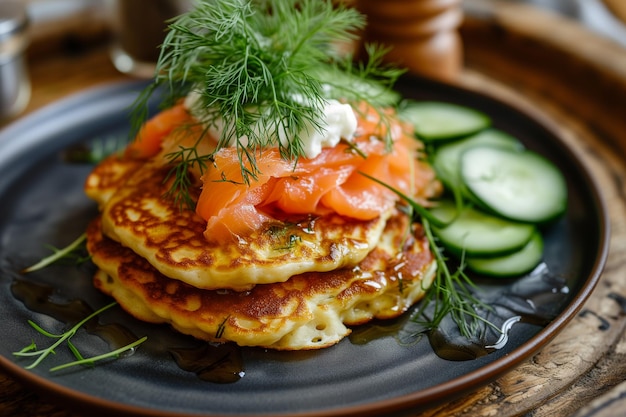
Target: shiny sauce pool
[[534, 299]]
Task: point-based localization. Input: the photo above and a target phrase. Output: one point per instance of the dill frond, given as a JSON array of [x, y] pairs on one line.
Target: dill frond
[[264, 71]]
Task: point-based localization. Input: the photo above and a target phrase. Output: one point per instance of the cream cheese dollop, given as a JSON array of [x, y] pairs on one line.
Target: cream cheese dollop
[[338, 122]]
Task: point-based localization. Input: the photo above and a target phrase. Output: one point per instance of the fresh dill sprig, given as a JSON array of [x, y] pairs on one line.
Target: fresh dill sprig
[[114, 354], [453, 295], [41, 354], [70, 251], [263, 72], [451, 292]]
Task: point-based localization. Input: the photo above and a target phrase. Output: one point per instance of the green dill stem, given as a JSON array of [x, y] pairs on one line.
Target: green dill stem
[[453, 295], [42, 331], [74, 350], [113, 354], [415, 206], [43, 353], [26, 349], [57, 255]]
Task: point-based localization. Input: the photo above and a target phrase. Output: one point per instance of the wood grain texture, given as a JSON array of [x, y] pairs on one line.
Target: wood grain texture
[[570, 79]]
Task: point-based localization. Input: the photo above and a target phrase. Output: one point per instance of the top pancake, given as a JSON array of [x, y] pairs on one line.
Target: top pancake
[[136, 214]]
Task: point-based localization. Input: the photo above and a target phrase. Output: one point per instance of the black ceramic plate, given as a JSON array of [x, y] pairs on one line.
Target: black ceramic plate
[[43, 204]]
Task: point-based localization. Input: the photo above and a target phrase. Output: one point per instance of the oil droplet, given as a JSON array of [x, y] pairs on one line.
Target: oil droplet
[[457, 347], [214, 363], [366, 333]]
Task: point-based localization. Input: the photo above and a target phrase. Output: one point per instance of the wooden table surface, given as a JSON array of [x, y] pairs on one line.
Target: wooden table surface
[[552, 68]]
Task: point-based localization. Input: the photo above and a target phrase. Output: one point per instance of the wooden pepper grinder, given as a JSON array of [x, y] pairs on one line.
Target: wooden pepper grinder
[[423, 34]]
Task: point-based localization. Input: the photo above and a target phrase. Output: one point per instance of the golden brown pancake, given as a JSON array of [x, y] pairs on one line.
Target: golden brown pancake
[[308, 311], [137, 216]]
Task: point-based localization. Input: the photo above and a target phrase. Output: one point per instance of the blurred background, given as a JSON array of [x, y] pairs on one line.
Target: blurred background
[[69, 27], [603, 16]]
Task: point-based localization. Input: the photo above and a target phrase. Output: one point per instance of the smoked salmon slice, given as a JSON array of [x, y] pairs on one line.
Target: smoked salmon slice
[[330, 182], [149, 139]]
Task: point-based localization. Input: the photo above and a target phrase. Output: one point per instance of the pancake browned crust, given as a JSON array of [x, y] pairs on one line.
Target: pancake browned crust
[[309, 311], [139, 217], [106, 178]]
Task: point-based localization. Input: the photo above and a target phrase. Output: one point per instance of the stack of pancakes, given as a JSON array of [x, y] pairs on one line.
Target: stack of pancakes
[[258, 290]]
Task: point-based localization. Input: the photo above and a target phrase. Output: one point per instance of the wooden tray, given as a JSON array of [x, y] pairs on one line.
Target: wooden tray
[[560, 73]]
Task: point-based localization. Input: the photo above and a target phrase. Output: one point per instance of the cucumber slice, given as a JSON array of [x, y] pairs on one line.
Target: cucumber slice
[[521, 186], [435, 121], [478, 233], [515, 264], [447, 158]]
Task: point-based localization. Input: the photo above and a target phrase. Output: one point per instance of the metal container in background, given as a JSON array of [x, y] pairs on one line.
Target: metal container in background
[[139, 28], [14, 78]]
